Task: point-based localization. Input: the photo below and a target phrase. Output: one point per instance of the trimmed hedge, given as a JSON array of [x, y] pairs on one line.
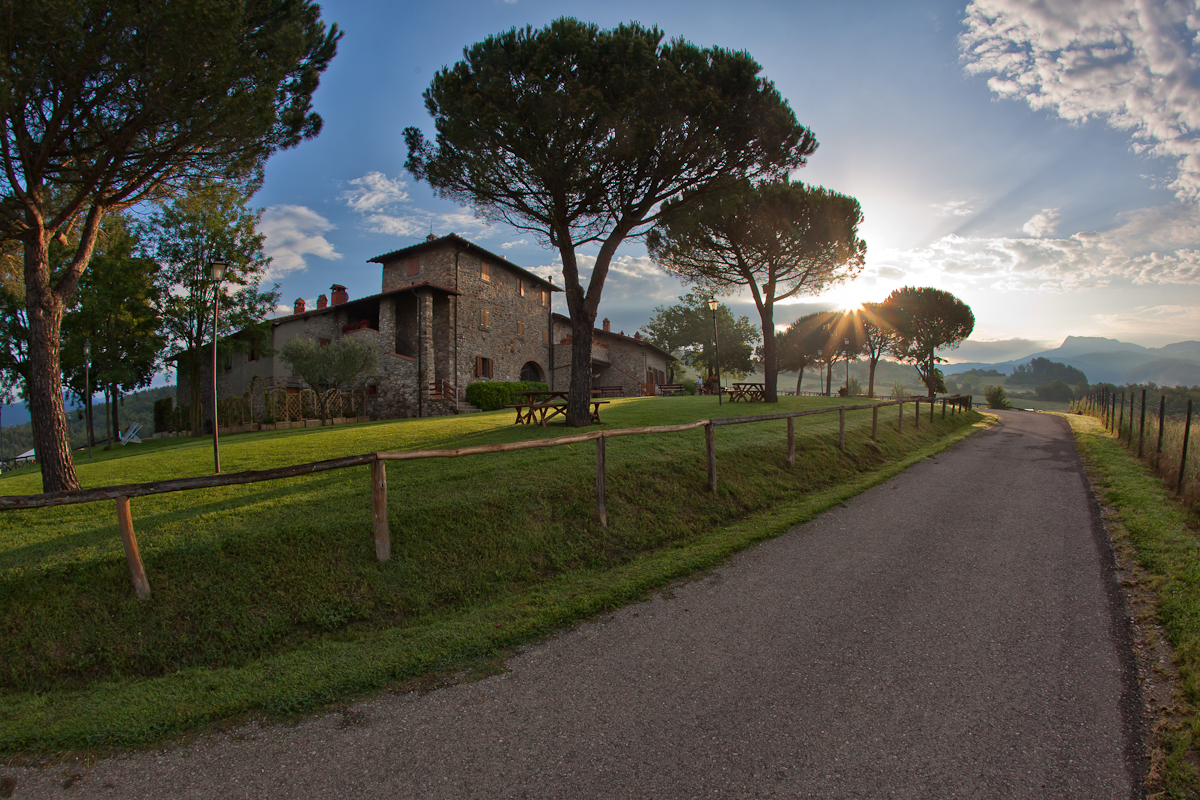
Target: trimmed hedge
[[491, 395]]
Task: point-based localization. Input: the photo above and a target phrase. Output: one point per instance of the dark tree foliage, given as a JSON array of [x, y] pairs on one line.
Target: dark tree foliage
[[875, 336], [777, 238], [115, 309], [1040, 371], [811, 341], [686, 330], [925, 320], [579, 135], [108, 103]]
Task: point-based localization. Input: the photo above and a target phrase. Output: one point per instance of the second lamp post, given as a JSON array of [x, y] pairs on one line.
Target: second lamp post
[[712, 303], [218, 274]]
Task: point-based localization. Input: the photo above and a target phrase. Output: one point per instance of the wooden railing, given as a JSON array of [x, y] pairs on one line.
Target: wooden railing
[[378, 460]]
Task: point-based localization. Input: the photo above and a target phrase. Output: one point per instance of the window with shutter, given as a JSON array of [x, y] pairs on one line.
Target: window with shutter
[[485, 271], [414, 267], [484, 318]]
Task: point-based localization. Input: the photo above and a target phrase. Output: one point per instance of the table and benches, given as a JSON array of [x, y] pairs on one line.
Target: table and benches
[[545, 406], [749, 392]]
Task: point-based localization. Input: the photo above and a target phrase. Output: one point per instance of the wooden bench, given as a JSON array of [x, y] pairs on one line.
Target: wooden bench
[[665, 389], [541, 413], [608, 391]]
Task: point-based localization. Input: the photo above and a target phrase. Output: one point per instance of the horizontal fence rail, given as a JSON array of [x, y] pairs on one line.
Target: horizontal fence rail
[[377, 462], [1109, 406]]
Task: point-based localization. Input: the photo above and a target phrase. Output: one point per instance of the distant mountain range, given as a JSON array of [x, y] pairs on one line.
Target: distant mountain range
[[1113, 361]]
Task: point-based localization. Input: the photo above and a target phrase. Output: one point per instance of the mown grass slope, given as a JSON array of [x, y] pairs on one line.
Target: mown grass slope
[[268, 596]]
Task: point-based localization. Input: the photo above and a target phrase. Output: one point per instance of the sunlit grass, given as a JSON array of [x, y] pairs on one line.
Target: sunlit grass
[[256, 587]]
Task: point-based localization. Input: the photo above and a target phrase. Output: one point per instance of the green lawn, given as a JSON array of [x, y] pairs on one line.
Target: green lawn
[[268, 599]]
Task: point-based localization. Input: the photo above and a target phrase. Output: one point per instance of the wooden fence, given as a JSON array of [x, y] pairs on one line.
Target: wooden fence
[[377, 462], [1110, 408]]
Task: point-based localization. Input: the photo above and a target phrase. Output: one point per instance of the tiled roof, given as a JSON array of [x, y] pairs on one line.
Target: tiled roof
[[461, 244], [614, 335], [331, 308]]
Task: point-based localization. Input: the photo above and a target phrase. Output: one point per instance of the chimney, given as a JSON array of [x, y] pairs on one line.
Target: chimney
[[607, 325], [322, 301], [338, 293], [638, 336], [299, 309]]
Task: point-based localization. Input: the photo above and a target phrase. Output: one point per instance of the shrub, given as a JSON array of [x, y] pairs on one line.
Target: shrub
[[689, 385], [996, 397], [899, 390], [490, 395], [854, 388], [162, 414]]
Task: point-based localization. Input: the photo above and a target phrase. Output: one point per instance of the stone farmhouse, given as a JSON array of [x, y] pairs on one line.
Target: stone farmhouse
[[449, 313]]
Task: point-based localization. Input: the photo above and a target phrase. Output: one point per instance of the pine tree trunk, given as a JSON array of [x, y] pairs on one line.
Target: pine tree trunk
[[829, 378], [799, 379], [770, 357], [579, 399], [47, 414], [116, 396], [871, 379]]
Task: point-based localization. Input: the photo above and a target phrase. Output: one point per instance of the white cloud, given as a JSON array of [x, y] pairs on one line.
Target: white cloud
[[954, 208], [383, 204], [1042, 224], [1131, 63], [517, 243], [374, 192], [293, 232]]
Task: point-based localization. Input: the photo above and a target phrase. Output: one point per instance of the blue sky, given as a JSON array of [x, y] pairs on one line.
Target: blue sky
[[1036, 160]]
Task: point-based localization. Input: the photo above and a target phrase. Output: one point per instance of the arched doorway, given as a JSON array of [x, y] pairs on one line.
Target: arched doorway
[[532, 371]]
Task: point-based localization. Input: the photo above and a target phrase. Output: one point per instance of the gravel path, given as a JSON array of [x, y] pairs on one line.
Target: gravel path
[[955, 632]]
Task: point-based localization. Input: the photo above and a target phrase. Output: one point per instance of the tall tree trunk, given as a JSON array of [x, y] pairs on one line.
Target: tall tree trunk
[[580, 396], [51, 438], [799, 379], [871, 378], [770, 355], [829, 378], [107, 420], [116, 399]]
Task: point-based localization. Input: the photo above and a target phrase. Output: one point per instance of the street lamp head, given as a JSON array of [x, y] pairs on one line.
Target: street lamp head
[[712, 303], [87, 350], [218, 267]]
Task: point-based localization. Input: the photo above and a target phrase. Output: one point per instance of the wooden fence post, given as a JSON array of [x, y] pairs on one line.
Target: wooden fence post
[[1133, 398], [136, 570], [383, 539], [900, 425], [710, 443], [791, 441], [932, 408], [1121, 419], [943, 408], [1187, 430], [874, 423], [601, 511], [1162, 413], [841, 429], [917, 416], [1142, 427]]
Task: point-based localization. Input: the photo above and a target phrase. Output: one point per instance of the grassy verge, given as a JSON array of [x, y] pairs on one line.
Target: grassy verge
[[1161, 534], [268, 600]]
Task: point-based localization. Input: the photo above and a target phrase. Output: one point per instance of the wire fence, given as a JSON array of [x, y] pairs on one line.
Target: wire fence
[[1138, 418]]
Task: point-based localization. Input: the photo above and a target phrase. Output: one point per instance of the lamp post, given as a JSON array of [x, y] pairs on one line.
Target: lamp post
[[712, 303], [846, 345], [87, 388], [218, 274]]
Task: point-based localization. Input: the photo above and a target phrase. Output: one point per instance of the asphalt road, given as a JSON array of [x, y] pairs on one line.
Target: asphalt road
[[954, 633]]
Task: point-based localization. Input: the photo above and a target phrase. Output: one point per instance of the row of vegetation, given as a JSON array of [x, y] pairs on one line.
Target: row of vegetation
[[267, 598]]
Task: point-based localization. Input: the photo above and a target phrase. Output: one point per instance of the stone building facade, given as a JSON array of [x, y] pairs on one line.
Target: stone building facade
[[617, 360], [449, 313]]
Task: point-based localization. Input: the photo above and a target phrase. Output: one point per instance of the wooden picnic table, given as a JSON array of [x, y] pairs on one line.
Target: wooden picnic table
[[544, 396], [541, 413], [748, 392]]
